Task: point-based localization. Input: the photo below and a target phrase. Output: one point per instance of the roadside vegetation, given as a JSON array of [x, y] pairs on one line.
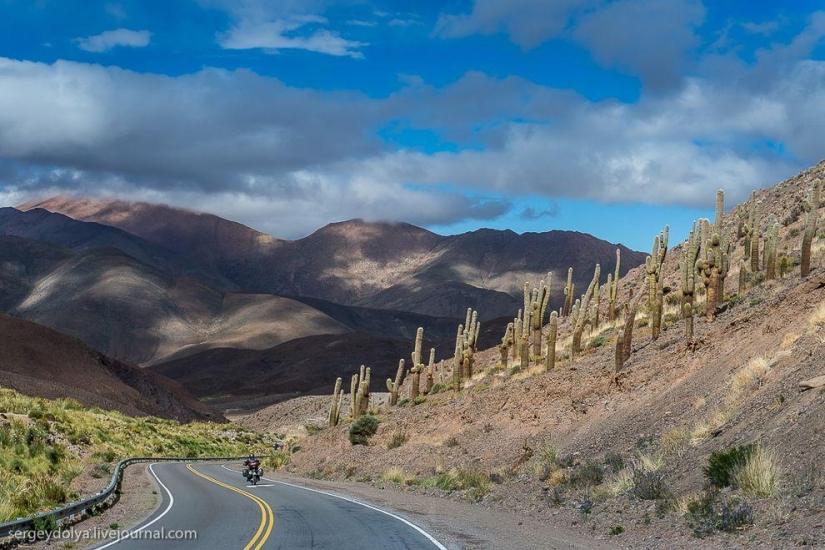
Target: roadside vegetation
[[45, 445]]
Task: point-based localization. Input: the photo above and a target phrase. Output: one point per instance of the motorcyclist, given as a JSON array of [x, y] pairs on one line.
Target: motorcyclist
[[251, 464]]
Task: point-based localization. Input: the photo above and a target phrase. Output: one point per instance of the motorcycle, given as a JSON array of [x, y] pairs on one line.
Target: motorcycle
[[252, 471]]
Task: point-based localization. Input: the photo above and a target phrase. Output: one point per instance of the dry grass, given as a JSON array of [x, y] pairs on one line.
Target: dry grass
[[648, 462], [704, 429], [619, 483], [675, 442], [682, 503], [760, 475], [754, 371], [817, 318], [789, 340], [397, 474]]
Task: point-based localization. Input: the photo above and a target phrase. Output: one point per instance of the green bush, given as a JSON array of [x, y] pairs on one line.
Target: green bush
[[722, 465], [438, 388], [589, 474], [649, 486], [362, 429]]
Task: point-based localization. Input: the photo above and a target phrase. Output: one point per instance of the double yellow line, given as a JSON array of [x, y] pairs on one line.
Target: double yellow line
[[267, 517]]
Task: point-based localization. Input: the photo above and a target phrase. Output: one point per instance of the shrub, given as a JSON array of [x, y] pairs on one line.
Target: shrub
[[710, 514], [675, 442], [279, 459], [439, 388], [649, 486], [588, 474], [614, 461], [616, 530], [723, 464], [362, 429], [398, 438], [451, 441], [313, 429]]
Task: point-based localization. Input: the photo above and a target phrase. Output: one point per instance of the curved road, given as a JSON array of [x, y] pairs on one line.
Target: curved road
[[227, 513]]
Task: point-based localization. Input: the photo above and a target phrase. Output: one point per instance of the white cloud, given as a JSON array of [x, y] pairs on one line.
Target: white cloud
[[278, 35], [110, 39]]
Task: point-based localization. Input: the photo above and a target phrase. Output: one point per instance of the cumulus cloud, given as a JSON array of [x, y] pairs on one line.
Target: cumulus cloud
[[527, 22], [107, 40], [288, 160], [279, 35]]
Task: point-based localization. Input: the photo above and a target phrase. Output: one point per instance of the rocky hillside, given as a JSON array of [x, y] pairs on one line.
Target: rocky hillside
[[712, 436]]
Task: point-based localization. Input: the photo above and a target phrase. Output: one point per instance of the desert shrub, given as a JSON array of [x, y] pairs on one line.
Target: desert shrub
[[587, 474], [45, 524], [675, 442], [279, 459], [736, 299], [649, 486], [399, 437], [313, 429], [439, 388], [723, 464], [613, 461], [397, 475], [362, 429], [616, 530], [597, 342], [419, 399], [710, 513], [451, 441]]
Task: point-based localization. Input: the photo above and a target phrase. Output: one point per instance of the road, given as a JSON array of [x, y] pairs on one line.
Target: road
[[226, 512]]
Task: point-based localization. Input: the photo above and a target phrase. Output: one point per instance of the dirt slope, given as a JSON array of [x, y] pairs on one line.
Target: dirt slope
[[42, 362]]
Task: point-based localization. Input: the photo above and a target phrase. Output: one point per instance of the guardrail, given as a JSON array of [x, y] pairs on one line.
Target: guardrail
[[30, 524]]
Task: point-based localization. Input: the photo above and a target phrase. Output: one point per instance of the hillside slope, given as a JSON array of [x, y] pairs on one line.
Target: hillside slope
[[38, 361], [587, 446], [134, 312]]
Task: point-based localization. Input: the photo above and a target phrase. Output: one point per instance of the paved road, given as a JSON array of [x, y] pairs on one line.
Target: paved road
[[227, 513]]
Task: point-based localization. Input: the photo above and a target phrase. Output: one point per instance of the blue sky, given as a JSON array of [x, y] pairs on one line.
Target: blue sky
[[610, 117]]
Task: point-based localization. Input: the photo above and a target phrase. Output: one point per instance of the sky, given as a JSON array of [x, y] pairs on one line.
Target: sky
[[608, 117]]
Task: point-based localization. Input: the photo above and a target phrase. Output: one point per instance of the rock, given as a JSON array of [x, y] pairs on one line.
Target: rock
[[812, 383]]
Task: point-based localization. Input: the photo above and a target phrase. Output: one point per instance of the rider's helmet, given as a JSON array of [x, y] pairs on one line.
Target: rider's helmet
[[251, 456]]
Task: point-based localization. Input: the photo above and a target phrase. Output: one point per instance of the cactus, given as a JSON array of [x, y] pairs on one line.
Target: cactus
[[360, 392], [582, 318], [568, 293], [687, 265], [618, 360], [394, 386], [417, 364], [656, 314], [429, 382], [811, 207], [335, 405], [629, 323], [771, 238], [743, 278], [506, 343], [653, 264], [517, 325], [749, 226], [613, 288], [755, 221], [785, 265], [688, 314], [550, 357]]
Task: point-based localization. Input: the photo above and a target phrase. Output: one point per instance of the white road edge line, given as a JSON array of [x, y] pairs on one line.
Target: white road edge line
[[141, 528], [364, 504]]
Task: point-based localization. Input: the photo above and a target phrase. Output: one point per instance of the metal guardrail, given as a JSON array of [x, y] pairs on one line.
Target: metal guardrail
[[29, 524]]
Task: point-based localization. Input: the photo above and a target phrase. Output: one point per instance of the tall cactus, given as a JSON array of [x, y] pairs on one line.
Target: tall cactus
[[360, 393], [653, 263], [430, 380], [613, 288], [743, 278], [568, 293], [417, 364], [582, 318], [536, 300], [755, 231], [811, 207], [771, 238], [550, 357], [335, 405], [506, 343], [749, 226], [458, 359], [394, 386], [629, 323], [687, 266]]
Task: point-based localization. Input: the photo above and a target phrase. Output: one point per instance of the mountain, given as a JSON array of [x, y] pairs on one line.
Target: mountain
[[238, 377], [139, 314], [394, 266], [36, 360], [47, 227]]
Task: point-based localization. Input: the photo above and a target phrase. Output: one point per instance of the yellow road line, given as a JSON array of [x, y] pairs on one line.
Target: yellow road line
[[267, 517]]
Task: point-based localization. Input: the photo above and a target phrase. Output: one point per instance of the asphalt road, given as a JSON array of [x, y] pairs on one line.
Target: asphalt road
[[225, 512]]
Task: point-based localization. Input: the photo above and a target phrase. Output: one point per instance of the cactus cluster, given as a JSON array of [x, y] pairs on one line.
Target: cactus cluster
[[465, 348], [653, 269], [507, 342], [417, 364], [360, 393]]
